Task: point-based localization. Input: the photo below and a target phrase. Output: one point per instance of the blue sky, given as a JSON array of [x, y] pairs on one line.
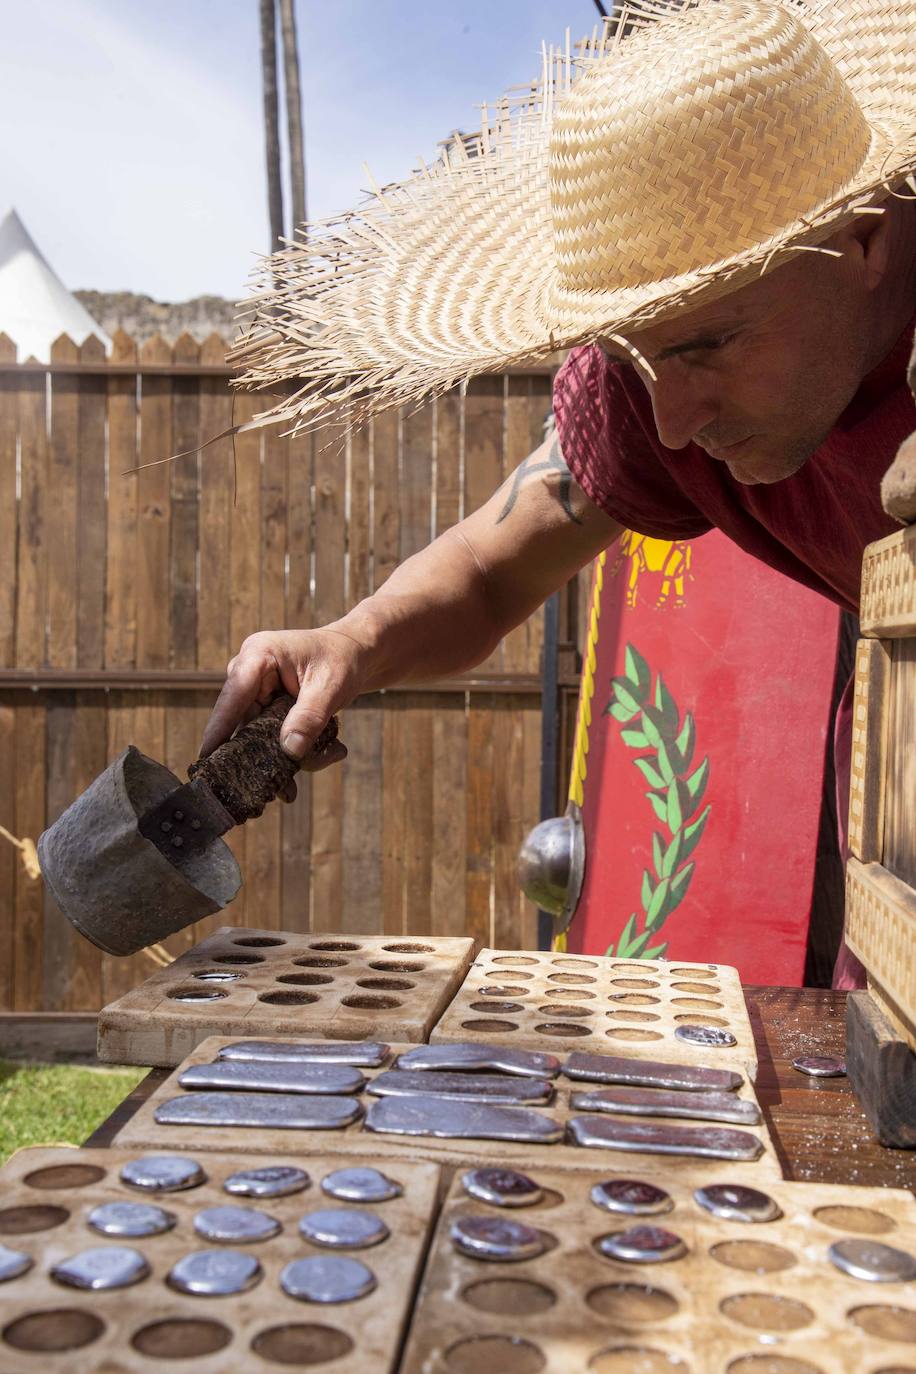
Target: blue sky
[[132, 136]]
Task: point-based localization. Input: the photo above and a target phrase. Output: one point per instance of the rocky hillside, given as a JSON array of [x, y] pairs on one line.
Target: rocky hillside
[[142, 317]]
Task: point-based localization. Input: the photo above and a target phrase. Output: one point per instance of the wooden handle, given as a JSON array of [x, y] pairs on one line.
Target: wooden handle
[[251, 769]]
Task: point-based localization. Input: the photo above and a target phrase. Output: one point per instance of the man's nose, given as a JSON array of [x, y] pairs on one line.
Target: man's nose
[[682, 403]]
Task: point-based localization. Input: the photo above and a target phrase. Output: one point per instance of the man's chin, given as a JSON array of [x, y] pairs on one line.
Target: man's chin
[[764, 471]]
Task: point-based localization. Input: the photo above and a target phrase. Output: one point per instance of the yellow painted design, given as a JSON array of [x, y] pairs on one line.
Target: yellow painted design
[[669, 558], [587, 690]]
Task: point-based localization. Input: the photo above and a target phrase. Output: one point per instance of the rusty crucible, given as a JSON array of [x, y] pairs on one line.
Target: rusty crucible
[[139, 855]]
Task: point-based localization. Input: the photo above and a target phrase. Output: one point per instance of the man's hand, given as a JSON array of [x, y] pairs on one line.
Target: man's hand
[[317, 667]]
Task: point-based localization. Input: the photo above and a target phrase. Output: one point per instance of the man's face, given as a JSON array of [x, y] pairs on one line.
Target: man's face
[[759, 378]]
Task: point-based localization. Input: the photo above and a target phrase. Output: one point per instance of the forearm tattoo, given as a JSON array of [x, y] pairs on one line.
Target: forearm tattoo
[[532, 465]]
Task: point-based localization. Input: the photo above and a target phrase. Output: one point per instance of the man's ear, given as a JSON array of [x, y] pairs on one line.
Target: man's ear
[[867, 240]]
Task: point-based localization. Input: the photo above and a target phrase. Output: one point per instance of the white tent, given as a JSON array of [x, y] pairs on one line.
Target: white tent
[[35, 306]]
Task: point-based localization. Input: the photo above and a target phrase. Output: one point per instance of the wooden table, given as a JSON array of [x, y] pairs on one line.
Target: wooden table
[[817, 1126]]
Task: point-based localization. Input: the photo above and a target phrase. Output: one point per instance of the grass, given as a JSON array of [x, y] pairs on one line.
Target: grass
[[57, 1104]]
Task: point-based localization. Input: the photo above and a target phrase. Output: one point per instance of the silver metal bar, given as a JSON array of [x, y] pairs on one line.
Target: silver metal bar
[[270, 1077], [450, 1119], [711, 1142], [286, 1111], [500, 1089], [660, 1102], [464, 1056], [644, 1073], [362, 1054]]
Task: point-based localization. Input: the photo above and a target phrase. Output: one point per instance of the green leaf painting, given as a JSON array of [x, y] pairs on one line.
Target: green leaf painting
[[654, 723]]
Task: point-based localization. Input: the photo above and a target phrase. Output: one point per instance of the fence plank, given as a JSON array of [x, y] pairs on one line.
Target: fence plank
[[59, 938], [449, 504], [449, 814], [394, 836], [362, 805], [385, 517], [9, 856], [508, 819], [31, 809], [32, 556], [121, 568], [483, 458], [9, 506], [90, 517], [295, 847], [273, 530], [63, 487], [183, 499], [245, 530], [299, 531], [479, 804], [154, 511], [418, 814], [216, 482], [415, 482], [359, 530], [89, 748], [516, 647]]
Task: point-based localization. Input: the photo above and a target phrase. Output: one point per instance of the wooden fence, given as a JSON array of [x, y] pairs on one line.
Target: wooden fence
[[123, 596]]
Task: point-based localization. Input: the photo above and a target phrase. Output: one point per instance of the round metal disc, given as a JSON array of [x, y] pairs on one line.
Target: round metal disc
[[820, 1066], [496, 1238], [341, 1228], [502, 1187], [631, 1196], [106, 1266], [705, 1035], [275, 1181], [13, 1263], [643, 1245], [869, 1259], [216, 975], [360, 1185], [130, 1219], [235, 1224], [737, 1202], [192, 995], [163, 1173], [327, 1278], [215, 1273]]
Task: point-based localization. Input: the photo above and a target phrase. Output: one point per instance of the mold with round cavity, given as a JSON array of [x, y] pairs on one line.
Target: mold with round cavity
[[259, 941], [54, 1329], [25, 1220], [771, 1363], [574, 963], [753, 1256], [511, 1297], [570, 994], [486, 1024], [635, 982], [562, 1028], [319, 962], [499, 1008], [238, 959], [305, 980], [692, 1018], [692, 972], [288, 998], [397, 966], [887, 1321], [216, 975], [494, 1355], [571, 980], [371, 1002], [632, 1033], [516, 973], [497, 990], [302, 1344], [386, 984], [65, 1176], [337, 946], [697, 1003], [767, 1311], [628, 1359], [634, 1015], [409, 947], [514, 960], [187, 992], [181, 1338], [632, 1302], [565, 1009], [639, 966], [704, 989], [862, 1220], [634, 999]]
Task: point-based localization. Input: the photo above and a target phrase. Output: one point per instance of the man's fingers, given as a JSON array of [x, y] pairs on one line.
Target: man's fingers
[[335, 753], [239, 693], [317, 703], [289, 792]]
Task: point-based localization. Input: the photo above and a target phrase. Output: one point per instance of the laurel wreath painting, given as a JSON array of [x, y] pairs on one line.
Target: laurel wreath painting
[[652, 723]]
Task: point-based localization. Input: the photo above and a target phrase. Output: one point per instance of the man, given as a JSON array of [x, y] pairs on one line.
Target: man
[[711, 208]]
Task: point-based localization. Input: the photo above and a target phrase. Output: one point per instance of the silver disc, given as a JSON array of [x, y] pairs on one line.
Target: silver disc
[[632, 1196], [217, 975], [737, 1202], [873, 1261], [327, 1278], [106, 1266], [215, 1273], [496, 1238], [130, 1219], [643, 1245], [820, 1065], [502, 1187], [705, 1035], [235, 1224], [360, 1185], [13, 1263], [278, 1180], [163, 1173], [342, 1228]]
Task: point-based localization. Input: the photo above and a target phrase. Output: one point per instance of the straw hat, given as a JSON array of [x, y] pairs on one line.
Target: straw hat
[[690, 147]]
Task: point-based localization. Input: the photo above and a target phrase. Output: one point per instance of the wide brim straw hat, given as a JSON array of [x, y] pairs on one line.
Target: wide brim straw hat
[[685, 150]]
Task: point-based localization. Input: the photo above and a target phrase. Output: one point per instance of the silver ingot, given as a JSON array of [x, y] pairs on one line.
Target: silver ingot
[[360, 1185], [163, 1173], [643, 1245], [471, 1087], [130, 1219], [463, 1056], [327, 1279], [258, 1076], [551, 865], [659, 1102], [453, 1120], [502, 1187], [631, 1196], [710, 1142], [861, 1258], [215, 1273], [217, 975], [608, 1068], [343, 1228], [710, 1037], [737, 1202], [362, 1054], [496, 1238], [227, 1224], [104, 1267], [13, 1263], [275, 1111], [820, 1065], [278, 1180]]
